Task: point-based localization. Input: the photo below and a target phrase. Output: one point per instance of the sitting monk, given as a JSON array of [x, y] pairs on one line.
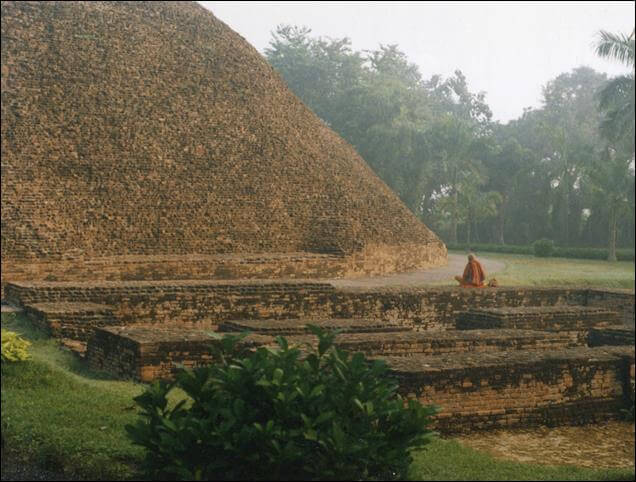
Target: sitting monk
[[474, 274]]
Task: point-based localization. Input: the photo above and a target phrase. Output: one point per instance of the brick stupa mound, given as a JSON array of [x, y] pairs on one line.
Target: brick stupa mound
[[138, 136]]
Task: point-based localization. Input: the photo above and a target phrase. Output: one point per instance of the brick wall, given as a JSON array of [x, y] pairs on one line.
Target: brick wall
[[572, 386], [372, 260], [618, 300], [192, 301], [194, 144]]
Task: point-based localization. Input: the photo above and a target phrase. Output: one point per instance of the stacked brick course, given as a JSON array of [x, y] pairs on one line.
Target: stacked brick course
[[192, 147], [538, 377], [488, 390], [76, 321], [575, 319]]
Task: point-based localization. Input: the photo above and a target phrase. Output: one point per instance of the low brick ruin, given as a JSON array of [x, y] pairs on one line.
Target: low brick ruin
[[527, 356], [148, 203]]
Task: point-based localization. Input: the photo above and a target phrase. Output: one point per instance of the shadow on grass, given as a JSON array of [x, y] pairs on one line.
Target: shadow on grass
[[52, 350]]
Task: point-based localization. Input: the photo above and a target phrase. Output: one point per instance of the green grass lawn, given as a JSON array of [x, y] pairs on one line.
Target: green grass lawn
[[65, 418], [523, 270]]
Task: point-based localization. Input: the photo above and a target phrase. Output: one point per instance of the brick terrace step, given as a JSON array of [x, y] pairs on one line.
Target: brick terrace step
[[298, 327], [612, 335], [519, 388], [29, 292], [559, 317], [445, 342], [75, 321], [146, 352]]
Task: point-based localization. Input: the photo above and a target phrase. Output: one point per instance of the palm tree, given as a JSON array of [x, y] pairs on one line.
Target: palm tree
[[616, 99]]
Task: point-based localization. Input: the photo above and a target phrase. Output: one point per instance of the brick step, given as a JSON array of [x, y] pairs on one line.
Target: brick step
[[30, 292], [519, 388], [445, 342], [299, 327], [612, 335], [559, 317], [75, 321], [147, 352]]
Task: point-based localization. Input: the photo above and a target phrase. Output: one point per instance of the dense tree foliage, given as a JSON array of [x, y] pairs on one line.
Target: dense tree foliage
[[559, 172]]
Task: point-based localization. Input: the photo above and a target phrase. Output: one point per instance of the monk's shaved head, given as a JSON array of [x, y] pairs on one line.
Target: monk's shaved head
[[471, 256]]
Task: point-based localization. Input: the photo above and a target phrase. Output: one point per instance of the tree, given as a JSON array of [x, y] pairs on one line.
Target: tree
[[569, 127], [611, 176], [617, 96]]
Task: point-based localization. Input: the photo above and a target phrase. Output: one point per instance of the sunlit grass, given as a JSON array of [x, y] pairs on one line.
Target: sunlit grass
[[523, 270]]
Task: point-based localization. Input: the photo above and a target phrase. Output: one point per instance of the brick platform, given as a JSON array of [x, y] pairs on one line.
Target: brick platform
[[553, 318], [70, 320], [519, 388], [146, 353], [611, 335], [446, 342], [297, 327]]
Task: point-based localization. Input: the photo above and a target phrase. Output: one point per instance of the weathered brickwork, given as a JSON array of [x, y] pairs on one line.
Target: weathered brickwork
[[489, 390], [192, 146], [611, 335], [541, 390], [297, 327], [617, 300], [145, 353], [574, 319], [371, 262], [70, 320], [192, 301], [149, 352]]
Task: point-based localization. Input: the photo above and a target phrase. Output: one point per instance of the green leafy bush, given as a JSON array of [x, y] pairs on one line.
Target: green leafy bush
[[543, 248], [277, 415], [14, 348]]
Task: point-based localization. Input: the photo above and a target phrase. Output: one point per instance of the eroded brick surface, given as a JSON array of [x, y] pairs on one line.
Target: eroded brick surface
[[192, 146], [551, 387]]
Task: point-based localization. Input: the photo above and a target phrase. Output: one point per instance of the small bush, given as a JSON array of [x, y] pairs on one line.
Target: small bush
[[543, 248], [276, 415], [14, 348]]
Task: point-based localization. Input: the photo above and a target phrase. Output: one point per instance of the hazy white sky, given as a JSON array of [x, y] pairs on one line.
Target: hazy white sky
[[507, 49]]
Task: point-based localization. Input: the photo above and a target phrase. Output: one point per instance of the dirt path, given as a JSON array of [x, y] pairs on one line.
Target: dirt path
[[413, 279], [603, 445]]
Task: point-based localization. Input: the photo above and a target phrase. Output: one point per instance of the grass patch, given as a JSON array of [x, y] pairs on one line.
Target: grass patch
[[61, 416], [523, 270], [65, 418]]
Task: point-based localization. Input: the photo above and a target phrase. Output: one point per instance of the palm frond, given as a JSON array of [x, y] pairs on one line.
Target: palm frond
[[616, 46], [616, 91]]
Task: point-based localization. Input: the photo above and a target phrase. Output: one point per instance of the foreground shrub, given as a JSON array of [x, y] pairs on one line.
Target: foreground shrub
[[14, 348], [273, 414], [543, 248]]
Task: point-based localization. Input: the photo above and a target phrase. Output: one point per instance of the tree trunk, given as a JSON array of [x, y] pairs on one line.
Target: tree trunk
[[501, 221], [468, 223], [612, 235], [566, 204], [455, 203]]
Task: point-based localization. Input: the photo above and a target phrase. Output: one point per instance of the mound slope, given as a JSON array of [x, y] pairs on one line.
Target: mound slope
[[151, 128]]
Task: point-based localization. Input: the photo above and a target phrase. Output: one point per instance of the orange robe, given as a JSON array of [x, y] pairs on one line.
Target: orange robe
[[474, 275]]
